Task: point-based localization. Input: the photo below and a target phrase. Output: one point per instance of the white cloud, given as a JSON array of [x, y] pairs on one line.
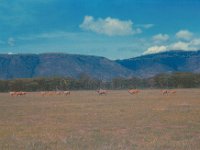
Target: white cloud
[[195, 42], [187, 46], [156, 49], [11, 41], [186, 42], [184, 34], [109, 26], [160, 37], [180, 46]]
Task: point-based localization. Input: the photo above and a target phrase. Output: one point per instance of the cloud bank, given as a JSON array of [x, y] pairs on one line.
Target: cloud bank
[[160, 37], [109, 26], [184, 34], [155, 49], [185, 40]]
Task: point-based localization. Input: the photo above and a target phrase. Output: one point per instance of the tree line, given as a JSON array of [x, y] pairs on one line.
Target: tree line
[[84, 82]]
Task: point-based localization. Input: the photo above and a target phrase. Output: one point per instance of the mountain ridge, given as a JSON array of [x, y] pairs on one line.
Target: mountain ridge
[[57, 64], [14, 66], [165, 62]]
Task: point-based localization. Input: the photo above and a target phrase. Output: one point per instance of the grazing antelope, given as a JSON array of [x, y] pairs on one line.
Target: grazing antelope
[[102, 92], [12, 93], [43, 93], [165, 92], [46, 93], [23, 93], [17, 93], [59, 93], [51, 93], [134, 91], [173, 92], [66, 93]]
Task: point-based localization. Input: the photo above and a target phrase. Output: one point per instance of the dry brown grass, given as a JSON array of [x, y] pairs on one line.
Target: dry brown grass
[[87, 121]]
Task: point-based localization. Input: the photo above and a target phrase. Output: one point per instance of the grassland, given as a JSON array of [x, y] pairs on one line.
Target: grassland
[[87, 121]]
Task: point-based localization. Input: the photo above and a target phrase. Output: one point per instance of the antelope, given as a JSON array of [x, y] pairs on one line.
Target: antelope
[[102, 92], [43, 93], [134, 91], [164, 92], [12, 93], [59, 92], [66, 93], [17, 93], [173, 92]]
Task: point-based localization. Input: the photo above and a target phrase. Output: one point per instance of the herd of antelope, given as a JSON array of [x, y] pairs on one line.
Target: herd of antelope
[[166, 92], [17, 93], [102, 92], [51, 93], [45, 93], [99, 92]]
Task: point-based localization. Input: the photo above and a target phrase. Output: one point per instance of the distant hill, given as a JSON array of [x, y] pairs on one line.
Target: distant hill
[[67, 65], [166, 62], [62, 65]]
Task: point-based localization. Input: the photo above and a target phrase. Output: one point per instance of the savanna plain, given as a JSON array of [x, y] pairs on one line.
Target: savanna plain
[[85, 120]]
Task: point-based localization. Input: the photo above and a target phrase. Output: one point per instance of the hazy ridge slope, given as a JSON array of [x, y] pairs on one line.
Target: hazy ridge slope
[[67, 65], [18, 66], [64, 65], [166, 62]]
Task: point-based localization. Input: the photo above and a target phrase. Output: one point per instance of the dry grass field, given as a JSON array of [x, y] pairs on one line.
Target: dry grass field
[[87, 121]]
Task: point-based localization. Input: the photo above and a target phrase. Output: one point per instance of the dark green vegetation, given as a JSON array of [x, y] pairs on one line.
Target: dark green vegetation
[[84, 82], [66, 65], [87, 121]]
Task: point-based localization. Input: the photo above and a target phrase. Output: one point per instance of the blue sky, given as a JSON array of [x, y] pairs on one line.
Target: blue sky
[[115, 29]]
